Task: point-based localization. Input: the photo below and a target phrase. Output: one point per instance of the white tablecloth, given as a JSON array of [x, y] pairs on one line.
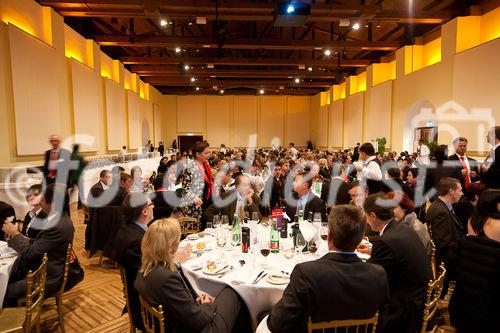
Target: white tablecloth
[[259, 297], [7, 258]]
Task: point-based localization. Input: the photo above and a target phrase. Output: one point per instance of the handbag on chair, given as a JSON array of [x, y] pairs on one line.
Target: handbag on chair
[[75, 272]]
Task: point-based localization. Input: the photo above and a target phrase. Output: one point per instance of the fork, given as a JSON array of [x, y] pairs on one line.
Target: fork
[[225, 272]]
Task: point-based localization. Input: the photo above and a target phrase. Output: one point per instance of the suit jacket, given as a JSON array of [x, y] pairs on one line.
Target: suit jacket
[[474, 166], [334, 287], [313, 205], [165, 287], [434, 174], [53, 240], [491, 178], [6, 211], [118, 199], [335, 192], [62, 154], [447, 233], [403, 256], [126, 252], [325, 172], [271, 195], [230, 209], [35, 224]]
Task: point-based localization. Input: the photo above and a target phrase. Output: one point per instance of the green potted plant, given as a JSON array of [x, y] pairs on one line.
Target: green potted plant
[[381, 142]]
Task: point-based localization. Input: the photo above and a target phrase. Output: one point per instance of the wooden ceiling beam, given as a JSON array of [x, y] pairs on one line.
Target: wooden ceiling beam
[[248, 44], [245, 61], [185, 81], [244, 91]]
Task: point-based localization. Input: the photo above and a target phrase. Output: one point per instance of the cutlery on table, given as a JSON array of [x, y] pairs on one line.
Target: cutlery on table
[[257, 278], [220, 270], [225, 272], [260, 278]]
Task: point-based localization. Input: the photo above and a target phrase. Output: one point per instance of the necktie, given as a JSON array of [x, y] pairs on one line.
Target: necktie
[[52, 164], [466, 176]]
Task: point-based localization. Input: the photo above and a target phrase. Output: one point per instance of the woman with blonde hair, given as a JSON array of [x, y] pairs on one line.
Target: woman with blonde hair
[[160, 282]]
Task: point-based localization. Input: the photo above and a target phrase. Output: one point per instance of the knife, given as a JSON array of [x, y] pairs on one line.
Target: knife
[[260, 278], [227, 271], [220, 270], [257, 278]]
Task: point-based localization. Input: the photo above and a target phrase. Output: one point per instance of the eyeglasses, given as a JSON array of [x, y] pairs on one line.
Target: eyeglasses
[[151, 204]]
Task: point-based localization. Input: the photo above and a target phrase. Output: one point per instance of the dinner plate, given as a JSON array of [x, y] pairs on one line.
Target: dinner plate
[[193, 237], [216, 271], [276, 279]]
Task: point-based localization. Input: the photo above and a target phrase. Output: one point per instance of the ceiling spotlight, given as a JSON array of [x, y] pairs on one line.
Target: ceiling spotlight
[[197, 88], [297, 80], [163, 22], [193, 79], [290, 9], [222, 91], [327, 52], [261, 91], [310, 69], [186, 67], [177, 50], [356, 26]]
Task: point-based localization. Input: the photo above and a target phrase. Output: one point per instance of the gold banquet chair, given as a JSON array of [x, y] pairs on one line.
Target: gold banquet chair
[[151, 317], [359, 325], [433, 260], [189, 225], [60, 292], [23, 319], [123, 276], [434, 289]]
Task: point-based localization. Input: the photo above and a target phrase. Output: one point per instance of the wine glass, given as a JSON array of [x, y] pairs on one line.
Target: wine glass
[[221, 238], [264, 249], [224, 220], [300, 243], [255, 216], [317, 217], [324, 231], [312, 247], [216, 221]]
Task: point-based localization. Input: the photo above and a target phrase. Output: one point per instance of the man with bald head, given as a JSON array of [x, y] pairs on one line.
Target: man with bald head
[[53, 157]]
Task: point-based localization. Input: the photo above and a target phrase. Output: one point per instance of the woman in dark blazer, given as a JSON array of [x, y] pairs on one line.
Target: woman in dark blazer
[[160, 282]]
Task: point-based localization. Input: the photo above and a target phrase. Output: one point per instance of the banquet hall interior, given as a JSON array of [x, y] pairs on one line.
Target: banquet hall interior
[[249, 166]]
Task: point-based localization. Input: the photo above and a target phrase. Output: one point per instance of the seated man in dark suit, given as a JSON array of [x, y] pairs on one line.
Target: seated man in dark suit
[[126, 251], [53, 239], [307, 201], [446, 230], [96, 191], [271, 195], [33, 220], [240, 199], [123, 189], [403, 256], [338, 285]]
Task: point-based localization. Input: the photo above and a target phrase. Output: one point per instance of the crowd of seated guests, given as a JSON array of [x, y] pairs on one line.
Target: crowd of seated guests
[[423, 201]]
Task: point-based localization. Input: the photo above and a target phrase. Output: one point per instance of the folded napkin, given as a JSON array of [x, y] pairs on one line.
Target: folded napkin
[[309, 232]]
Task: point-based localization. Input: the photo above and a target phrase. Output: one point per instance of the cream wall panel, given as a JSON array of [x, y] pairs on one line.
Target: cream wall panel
[[474, 85], [134, 120], [298, 120], [146, 122], [218, 120], [28, 15], [85, 84], [353, 121], [378, 106], [336, 124], [36, 93], [190, 111], [323, 126], [157, 124], [245, 120], [115, 114], [271, 121]]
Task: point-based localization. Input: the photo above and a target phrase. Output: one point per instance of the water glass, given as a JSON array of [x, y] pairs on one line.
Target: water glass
[[255, 216], [224, 220]]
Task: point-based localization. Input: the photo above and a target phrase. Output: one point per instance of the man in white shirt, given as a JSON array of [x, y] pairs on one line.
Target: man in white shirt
[[122, 153], [423, 153], [368, 168], [293, 150]]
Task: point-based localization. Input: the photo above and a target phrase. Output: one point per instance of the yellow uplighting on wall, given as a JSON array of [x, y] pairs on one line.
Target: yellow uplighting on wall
[[468, 32], [432, 52], [19, 23], [339, 91], [325, 97], [47, 24], [420, 56], [383, 72], [490, 25], [357, 83]]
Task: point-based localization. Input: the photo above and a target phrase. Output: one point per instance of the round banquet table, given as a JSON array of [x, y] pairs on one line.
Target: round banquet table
[[240, 276], [7, 258]]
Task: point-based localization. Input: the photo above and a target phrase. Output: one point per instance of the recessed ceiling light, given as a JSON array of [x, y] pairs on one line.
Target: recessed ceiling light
[[356, 26], [297, 80], [177, 50], [193, 79], [186, 67], [261, 91], [309, 69], [163, 22], [197, 88], [222, 91], [327, 52]]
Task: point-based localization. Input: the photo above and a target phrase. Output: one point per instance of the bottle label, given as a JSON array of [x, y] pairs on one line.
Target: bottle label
[[274, 245]]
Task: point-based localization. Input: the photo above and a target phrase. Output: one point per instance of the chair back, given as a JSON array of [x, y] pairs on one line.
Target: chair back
[[35, 294], [189, 225], [123, 276], [434, 289], [151, 317], [347, 325], [66, 270], [433, 259]]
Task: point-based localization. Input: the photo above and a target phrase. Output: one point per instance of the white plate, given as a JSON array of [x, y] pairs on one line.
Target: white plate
[[193, 237], [277, 280], [217, 271]]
